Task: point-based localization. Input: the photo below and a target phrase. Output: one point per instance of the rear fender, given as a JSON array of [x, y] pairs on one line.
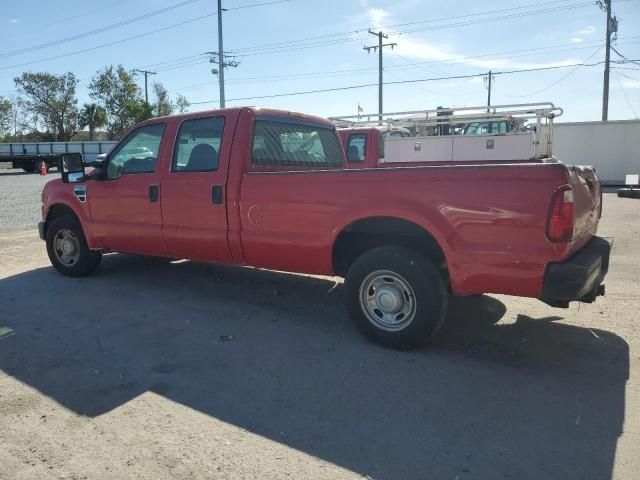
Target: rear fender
[[433, 223]]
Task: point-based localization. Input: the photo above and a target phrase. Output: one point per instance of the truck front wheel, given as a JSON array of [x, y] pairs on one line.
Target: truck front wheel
[[67, 248], [396, 296]]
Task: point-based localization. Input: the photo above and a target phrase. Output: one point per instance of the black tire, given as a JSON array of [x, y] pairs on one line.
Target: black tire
[[31, 169], [87, 260], [407, 272]]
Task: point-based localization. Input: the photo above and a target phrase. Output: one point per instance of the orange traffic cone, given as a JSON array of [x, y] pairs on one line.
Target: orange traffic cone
[[43, 168]]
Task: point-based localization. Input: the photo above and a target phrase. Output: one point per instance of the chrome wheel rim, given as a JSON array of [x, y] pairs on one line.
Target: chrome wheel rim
[[66, 247], [387, 300]]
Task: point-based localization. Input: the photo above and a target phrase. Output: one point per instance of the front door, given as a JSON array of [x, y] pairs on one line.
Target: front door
[[124, 202], [193, 191]]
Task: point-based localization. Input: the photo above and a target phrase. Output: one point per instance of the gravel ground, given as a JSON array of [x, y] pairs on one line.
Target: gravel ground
[[20, 198], [153, 369]]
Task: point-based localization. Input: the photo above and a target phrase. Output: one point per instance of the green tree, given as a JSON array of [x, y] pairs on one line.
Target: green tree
[[115, 89], [93, 116], [52, 100], [139, 111], [163, 105], [182, 104], [6, 117]]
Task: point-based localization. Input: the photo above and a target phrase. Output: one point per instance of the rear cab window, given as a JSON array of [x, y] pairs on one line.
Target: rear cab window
[[356, 148], [294, 144]]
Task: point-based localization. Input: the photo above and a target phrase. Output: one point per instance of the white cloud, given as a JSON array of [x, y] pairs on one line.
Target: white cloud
[[377, 16], [14, 20], [588, 30], [631, 83], [421, 50], [575, 40]]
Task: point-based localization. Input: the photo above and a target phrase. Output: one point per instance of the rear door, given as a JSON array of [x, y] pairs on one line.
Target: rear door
[[125, 211], [194, 190]]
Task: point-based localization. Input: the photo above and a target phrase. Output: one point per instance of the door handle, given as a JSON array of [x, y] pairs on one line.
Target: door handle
[[153, 193], [216, 194]]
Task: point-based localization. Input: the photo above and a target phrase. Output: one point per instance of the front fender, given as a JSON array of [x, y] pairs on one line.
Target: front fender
[[57, 193]]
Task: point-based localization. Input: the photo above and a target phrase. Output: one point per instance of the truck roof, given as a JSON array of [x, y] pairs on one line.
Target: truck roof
[[256, 110]]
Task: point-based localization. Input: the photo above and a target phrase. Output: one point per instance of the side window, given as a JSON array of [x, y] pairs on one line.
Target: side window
[[198, 145], [138, 153], [295, 144], [356, 148]]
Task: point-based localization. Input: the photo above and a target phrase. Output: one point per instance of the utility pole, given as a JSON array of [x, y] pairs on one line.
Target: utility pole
[[220, 57], [488, 83], [489, 90], [379, 48], [612, 29], [146, 84]]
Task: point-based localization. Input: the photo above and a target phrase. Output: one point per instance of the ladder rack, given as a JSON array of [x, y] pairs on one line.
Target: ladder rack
[[453, 116]]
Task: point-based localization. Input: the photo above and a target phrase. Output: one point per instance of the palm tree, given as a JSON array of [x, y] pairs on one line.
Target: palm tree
[[93, 116]]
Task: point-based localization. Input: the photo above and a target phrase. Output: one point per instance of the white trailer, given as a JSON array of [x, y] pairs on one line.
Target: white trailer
[[612, 147]]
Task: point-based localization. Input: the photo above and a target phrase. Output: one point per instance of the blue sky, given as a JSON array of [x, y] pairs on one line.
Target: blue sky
[[302, 45]]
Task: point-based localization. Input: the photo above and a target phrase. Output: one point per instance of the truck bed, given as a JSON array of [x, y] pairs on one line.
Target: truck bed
[[489, 219]]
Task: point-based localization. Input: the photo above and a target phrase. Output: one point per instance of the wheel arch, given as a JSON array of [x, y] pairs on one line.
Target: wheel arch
[[58, 210], [366, 233]]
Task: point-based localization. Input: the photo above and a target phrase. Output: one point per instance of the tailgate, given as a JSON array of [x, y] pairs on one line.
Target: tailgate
[[587, 200]]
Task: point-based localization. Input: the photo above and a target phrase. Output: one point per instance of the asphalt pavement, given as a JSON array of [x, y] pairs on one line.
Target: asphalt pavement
[[156, 369]]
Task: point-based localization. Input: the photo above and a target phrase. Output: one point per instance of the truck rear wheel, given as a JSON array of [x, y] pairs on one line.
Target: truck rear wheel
[[396, 297], [67, 248]]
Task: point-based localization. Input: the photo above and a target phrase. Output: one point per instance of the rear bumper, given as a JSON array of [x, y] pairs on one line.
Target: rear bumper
[[42, 230], [580, 277]]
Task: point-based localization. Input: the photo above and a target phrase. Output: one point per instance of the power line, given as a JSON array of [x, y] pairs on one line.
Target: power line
[[493, 19], [406, 66], [622, 56], [97, 30], [79, 15], [418, 80], [501, 10], [199, 56], [116, 42], [294, 45], [351, 32], [317, 41], [257, 4], [624, 93], [626, 68], [577, 66]]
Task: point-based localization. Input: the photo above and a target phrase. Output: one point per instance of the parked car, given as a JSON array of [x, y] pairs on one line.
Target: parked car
[[269, 188]]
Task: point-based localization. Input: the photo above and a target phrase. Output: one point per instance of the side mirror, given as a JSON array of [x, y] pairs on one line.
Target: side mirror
[[72, 167]]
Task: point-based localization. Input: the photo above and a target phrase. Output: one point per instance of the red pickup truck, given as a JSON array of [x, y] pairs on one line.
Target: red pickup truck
[[269, 188]]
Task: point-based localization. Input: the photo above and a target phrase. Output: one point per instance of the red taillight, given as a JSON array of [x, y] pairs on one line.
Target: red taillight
[[560, 223]]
